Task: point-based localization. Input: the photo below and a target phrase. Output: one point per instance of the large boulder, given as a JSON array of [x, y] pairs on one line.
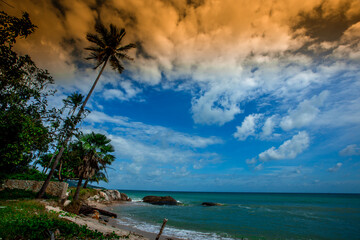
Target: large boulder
[[108, 196], [210, 204], [124, 197], [156, 200]]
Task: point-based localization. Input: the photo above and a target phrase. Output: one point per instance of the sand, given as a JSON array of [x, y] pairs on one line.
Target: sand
[[111, 226]]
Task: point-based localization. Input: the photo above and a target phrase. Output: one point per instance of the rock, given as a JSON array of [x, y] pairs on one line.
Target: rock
[[124, 197], [96, 215], [104, 196], [108, 196], [66, 203], [160, 200], [210, 204], [88, 210]]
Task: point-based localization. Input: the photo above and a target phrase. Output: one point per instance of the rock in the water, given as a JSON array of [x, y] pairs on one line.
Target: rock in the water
[[160, 200], [210, 204]]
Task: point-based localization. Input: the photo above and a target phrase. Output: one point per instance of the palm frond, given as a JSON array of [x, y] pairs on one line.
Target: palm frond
[[94, 49], [122, 34], [115, 64], [95, 39], [126, 47], [124, 56]]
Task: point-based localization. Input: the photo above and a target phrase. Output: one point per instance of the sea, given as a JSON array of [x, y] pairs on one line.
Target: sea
[[246, 215]]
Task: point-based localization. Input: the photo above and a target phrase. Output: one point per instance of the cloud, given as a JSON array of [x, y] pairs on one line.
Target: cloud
[[247, 127], [223, 53], [129, 91], [158, 134], [289, 149], [305, 112], [269, 126], [336, 167], [259, 167], [350, 150], [251, 161]]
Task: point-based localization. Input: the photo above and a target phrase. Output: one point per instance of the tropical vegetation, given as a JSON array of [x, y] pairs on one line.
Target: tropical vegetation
[[107, 48]]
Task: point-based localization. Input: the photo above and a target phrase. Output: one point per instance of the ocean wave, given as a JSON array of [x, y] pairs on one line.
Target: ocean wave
[[171, 231], [137, 200], [242, 206]]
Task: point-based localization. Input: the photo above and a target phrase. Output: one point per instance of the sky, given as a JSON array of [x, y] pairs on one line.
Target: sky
[[230, 95]]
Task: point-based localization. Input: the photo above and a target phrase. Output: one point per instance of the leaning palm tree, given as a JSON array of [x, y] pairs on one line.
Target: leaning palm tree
[[107, 47], [72, 102]]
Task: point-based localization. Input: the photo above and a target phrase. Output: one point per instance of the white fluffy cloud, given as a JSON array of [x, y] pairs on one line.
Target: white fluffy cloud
[[350, 150], [305, 112], [247, 127], [128, 92], [269, 126], [289, 149]]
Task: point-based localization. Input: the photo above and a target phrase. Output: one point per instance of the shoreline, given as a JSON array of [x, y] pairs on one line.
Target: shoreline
[[132, 229], [130, 232]]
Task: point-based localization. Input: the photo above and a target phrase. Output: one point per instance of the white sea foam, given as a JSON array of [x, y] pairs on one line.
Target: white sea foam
[[137, 200], [171, 231], [246, 207]]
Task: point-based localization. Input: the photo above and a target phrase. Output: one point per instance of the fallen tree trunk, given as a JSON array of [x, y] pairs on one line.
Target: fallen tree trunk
[[86, 210]]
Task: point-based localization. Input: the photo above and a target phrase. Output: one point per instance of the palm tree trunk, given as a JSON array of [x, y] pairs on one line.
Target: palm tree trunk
[[76, 195], [69, 135], [86, 182], [60, 179]]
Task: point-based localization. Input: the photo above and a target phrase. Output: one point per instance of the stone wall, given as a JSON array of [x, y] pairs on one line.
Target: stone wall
[[57, 189]]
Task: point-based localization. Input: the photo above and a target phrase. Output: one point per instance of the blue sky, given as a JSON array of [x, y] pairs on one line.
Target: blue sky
[[221, 95]]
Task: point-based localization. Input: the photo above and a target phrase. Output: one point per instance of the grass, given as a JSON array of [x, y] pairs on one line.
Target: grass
[[84, 194], [23, 218], [16, 194]]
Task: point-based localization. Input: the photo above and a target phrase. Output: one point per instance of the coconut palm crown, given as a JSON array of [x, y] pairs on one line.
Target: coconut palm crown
[[107, 46]]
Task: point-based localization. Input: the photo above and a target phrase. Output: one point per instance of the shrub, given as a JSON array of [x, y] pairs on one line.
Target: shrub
[[29, 174], [16, 194], [29, 220]]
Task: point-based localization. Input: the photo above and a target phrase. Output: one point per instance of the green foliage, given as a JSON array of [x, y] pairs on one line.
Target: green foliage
[[11, 194], [28, 174], [13, 27], [84, 193], [7, 194], [29, 220], [23, 104]]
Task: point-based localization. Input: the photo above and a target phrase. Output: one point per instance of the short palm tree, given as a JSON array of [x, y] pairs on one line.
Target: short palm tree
[[97, 151], [107, 48]]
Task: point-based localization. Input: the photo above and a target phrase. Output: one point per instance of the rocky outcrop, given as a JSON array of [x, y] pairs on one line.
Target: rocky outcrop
[[109, 196], [210, 204], [160, 200], [57, 189], [88, 210]]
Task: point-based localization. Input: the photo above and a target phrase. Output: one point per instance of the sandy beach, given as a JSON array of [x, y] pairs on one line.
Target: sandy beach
[[111, 226]]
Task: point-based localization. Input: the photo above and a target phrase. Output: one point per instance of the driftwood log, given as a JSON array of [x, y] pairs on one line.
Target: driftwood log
[[161, 229], [87, 210]]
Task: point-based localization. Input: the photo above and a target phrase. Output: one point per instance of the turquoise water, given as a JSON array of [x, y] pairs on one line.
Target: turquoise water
[[247, 215]]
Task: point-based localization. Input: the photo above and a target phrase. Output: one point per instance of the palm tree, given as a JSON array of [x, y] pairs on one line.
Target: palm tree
[[99, 176], [96, 150], [73, 102], [107, 48]]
